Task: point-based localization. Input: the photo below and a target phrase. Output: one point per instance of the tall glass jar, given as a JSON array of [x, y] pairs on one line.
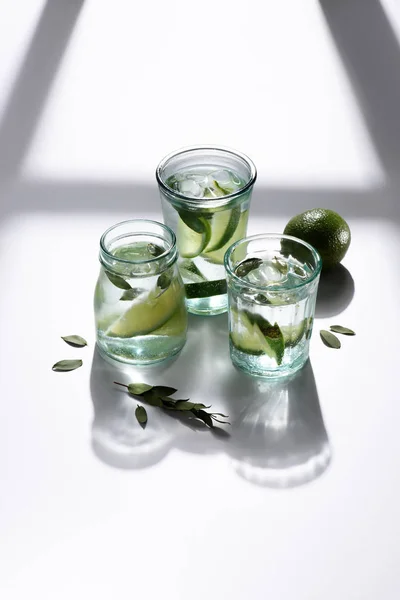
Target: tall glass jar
[[205, 196], [139, 301]]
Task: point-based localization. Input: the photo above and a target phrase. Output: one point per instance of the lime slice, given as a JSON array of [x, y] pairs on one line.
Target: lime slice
[[255, 335], [176, 325], [192, 242], [152, 313], [245, 336], [223, 226], [293, 334], [190, 272], [205, 289], [239, 232]]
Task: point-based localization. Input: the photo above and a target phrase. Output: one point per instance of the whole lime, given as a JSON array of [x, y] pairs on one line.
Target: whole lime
[[324, 229]]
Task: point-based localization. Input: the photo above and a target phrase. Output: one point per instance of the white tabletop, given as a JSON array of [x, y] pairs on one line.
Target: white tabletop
[[301, 501]]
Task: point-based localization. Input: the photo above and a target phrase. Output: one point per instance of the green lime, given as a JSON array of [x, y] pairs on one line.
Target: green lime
[[324, 229]]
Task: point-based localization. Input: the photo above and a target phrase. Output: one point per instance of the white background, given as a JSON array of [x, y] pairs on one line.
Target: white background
[[302, 500]]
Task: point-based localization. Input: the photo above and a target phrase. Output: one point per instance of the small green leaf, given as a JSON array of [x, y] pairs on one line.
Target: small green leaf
[[281, 265], [164, 390], [184, 405], [118, 281], [74, 340], [132, 293], [343, 330], [248, 265], [153, 399], [219, 420], [329, 339], [67, 365], [261, 299], [137, 389], [164, 280], [154, 250], [203, 416], [199, 406], [141, 415]]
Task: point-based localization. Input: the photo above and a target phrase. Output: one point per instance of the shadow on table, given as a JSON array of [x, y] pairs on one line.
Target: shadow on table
[[335, 292], [277, 436]]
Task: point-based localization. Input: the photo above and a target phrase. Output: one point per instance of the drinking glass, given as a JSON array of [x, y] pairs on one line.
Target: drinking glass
[[272, 288], [205, 196]]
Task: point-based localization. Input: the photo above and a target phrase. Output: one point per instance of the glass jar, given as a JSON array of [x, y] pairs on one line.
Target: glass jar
[[139, 301], [205, 196]]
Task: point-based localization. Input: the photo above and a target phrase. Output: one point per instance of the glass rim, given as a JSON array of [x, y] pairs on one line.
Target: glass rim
[[210, 202], [141, 261], [273, 288]]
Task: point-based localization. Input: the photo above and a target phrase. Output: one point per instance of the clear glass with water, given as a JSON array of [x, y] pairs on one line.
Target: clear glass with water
[[272, 287], [205, 196], [139, 301]]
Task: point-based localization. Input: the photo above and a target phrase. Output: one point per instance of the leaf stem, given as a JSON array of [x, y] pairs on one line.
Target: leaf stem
[[123, 384]]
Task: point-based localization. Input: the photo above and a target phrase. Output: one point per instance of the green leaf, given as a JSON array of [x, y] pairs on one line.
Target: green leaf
[[193, 221], [164, 390], [343, 330], [74, 340], [141, 415], [132, 293], [199, 406], [219, 420], [273, 336], [261, 299], [153, 399], [281, 265], [67, 365], [203, 416], [154, 250], [137, 389], [171, 404], [118, 281], [329, 339], [184, 405], [164, 280], [248, 265]]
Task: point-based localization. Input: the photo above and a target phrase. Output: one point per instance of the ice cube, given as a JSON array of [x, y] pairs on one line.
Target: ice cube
[[221, 176], [267, 274], [189, 187]]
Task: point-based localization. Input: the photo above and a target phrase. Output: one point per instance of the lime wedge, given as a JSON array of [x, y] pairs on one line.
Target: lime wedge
[[191, 243], [205, 289], [190, 272], [176, 324], [152, 313], [223, 226], [235, 233], [255, 335], [245, 336], [293, 334]]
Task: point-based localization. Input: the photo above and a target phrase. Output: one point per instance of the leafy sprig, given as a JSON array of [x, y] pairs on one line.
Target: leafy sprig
[[160, 396]]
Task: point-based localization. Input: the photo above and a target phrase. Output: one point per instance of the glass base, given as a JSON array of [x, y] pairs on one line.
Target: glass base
[[253, 365], [213, 305], [114, 356]]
